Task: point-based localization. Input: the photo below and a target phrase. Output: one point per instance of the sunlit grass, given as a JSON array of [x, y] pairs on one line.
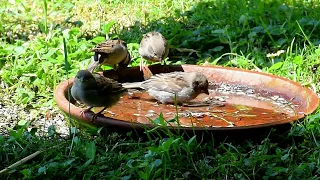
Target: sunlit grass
[[278, 37]]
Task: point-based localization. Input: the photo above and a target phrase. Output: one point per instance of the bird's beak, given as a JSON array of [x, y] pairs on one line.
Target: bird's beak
[[80, 79], [206, 92], [157, 58]]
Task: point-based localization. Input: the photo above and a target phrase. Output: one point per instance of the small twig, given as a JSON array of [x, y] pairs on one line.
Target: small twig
[[22, 161], [18, 163]]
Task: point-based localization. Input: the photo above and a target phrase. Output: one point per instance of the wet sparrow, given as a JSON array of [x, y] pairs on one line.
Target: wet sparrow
[[163, 87]]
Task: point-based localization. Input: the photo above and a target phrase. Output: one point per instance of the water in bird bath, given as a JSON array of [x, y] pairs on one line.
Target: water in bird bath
[[226, 106]]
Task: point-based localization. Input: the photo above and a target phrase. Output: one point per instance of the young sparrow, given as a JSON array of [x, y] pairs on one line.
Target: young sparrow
[[95, 90], [163, 87], [110, 52], [153, 47]]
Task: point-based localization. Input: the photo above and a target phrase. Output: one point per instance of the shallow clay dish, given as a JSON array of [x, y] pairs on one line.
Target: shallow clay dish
[[239, 99]]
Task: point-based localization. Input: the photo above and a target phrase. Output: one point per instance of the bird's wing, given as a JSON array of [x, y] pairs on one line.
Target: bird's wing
[[107, 85], [146, 43], [126, 61], [106, 46], [169, 82], [151, 50]]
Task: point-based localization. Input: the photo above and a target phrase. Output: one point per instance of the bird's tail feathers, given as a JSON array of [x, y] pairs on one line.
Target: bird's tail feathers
[[132, 85]]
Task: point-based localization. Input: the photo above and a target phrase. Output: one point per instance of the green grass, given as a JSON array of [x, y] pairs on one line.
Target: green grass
[[227, 33]]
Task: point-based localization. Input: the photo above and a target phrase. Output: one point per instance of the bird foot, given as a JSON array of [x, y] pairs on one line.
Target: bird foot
[[116, 68], [141, 64], [82, 113], [146, 72], [97, 114], [166, 68], [94, 116]]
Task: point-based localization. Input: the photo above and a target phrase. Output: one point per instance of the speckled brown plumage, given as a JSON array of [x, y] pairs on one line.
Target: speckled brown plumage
[[163, 87], [110, 52]]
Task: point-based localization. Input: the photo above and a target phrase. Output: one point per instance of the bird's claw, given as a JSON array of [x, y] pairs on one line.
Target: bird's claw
[[146, 72], [94, 117], [82, 113], [141, 63], [166, 68], [97, 114]]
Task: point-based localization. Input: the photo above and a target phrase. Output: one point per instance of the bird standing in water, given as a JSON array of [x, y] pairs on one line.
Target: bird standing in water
[[165, 86]]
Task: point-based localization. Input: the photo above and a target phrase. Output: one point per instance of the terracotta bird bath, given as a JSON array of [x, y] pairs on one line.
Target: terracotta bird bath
[[239, 99]]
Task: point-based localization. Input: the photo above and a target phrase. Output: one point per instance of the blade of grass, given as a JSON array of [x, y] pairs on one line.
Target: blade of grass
[[45, 8]]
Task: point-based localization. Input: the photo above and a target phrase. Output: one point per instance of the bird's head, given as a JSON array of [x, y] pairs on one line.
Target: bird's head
[[200, 83], [84, 78]]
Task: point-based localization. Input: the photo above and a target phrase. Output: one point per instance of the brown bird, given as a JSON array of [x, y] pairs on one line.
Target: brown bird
[[153, 47], [110, 52], [163, 87], [95, 90]]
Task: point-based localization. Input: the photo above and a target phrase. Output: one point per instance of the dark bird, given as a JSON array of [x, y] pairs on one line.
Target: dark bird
[[95, 90]]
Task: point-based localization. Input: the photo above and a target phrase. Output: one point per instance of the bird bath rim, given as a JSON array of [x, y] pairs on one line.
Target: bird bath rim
[[252, 78]]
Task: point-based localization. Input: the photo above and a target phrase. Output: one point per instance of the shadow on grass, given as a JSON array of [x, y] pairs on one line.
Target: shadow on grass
[[274, 134], [243, 27]]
